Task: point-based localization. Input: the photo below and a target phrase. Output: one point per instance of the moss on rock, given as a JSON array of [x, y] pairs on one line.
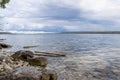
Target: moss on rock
[[38, 61]]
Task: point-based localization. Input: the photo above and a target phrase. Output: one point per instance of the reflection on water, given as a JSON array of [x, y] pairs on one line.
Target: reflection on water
[[89, 57]]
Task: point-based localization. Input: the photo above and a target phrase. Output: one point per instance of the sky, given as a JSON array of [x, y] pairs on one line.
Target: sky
[[61, 15]]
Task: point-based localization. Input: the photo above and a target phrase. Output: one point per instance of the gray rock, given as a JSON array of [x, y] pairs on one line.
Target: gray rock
[[22, 55], [2, 57], [27, 73], [22, 73]]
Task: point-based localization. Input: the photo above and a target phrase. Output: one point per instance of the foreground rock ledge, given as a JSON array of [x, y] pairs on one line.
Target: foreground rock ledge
[[28, 73], [21, 69]]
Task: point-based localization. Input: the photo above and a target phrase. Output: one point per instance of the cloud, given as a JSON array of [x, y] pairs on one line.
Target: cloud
[[58, 15], [100, 9]]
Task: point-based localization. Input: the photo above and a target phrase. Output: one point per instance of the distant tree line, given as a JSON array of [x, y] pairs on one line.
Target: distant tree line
[[3, 3]]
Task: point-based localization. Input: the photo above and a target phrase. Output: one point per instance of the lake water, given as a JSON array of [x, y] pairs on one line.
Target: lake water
[[88, 56]]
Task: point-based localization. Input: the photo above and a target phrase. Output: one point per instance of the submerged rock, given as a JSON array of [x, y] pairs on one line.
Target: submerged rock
[[30, 46], [38, 61], [49, 54], [2, 45], [23, 55], [2, 39]]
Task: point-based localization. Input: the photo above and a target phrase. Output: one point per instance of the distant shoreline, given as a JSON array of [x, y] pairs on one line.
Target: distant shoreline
[[93, 32], [5, 33], [80, 32]]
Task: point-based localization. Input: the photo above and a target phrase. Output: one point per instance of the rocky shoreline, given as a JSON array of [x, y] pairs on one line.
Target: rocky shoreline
[[24, 65]]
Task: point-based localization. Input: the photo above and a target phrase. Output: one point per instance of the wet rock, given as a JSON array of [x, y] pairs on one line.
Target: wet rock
[[2, 39], [30, 46], [53, 75], [2, 45], [22, 55], [38, 61]]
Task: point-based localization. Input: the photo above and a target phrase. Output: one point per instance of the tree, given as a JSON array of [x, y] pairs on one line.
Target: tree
[[3, 3]]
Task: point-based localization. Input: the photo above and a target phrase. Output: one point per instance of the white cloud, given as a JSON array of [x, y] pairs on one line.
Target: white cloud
[[91, 8], [69, 14], [100, 9]]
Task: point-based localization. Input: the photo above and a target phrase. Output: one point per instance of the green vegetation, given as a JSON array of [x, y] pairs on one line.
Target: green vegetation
[[3, 3]]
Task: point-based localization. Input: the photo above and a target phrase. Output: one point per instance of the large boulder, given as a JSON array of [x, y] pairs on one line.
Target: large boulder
[[38, 61], [2, 45], [22, 55]]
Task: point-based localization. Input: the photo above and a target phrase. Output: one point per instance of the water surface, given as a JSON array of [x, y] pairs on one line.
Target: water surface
[[89, 56]]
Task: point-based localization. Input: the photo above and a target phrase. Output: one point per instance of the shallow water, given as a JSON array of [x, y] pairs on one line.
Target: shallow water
[[89, 56]]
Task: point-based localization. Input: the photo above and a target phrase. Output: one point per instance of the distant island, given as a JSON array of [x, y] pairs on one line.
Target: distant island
[[5, 32], [92, 32]]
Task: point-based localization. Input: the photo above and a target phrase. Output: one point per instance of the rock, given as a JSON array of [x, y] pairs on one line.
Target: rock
[[20, 70], [22, 55], [26, 73], [38, 61], [6, 67], [45, 75], [2, 39], [48, 75], [30, 46], [53, 75], [2, 57], [6, 63], [2, 45], [25, 78]]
